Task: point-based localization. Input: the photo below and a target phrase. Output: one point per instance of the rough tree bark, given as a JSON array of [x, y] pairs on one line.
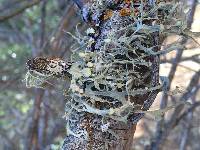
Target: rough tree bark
[[112, 22], [114, 69]]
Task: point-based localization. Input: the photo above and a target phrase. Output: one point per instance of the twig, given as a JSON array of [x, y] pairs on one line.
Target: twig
[[5, 14], [161, 131], [43, 23], [188, 123], [193, 83], [160, 125], [168, 126]]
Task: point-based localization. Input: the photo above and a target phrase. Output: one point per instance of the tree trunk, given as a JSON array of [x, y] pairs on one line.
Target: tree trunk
[[103, 117]]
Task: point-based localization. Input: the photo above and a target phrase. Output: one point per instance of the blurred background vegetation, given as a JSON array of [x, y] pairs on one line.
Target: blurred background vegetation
[[31, 118]]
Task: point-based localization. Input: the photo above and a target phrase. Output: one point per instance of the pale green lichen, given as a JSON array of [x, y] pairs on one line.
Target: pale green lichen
[[35, 80], [101, 79], [103, 82]]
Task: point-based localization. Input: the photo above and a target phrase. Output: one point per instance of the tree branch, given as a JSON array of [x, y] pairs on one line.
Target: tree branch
[[9, 13], [86, 121]]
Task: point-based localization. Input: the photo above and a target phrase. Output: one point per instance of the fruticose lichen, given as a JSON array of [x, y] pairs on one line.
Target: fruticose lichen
[[115, 74], [115, 66]]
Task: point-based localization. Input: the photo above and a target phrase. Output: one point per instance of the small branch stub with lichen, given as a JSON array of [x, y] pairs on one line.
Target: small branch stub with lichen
[[115, 70]]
